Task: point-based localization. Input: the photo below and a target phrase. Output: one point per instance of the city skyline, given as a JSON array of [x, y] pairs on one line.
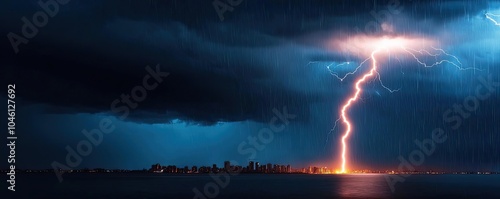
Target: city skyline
[[253, 167]]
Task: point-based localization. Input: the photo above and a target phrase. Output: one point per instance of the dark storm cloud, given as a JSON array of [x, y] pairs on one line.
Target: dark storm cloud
[[81, 63], [93, 51]]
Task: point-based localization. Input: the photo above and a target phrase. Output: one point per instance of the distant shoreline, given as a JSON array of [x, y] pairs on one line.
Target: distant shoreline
[[124, 171]]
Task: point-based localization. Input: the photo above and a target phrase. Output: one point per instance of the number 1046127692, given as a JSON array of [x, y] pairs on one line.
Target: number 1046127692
[[11, 111]]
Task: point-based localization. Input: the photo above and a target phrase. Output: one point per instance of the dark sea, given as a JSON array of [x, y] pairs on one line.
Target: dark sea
[[255, 186]]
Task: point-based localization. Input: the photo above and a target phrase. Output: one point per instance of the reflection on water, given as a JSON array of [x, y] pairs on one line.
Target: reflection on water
[[253, 186], [362, 186]]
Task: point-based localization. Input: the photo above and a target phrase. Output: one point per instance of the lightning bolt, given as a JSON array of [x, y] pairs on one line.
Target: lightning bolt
[[491, 18], [352, 99], [439, 55], [440, 52], [330, 69], [386, 88]]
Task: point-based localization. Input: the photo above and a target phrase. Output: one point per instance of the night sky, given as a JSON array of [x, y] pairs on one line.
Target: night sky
[[226, 77]]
